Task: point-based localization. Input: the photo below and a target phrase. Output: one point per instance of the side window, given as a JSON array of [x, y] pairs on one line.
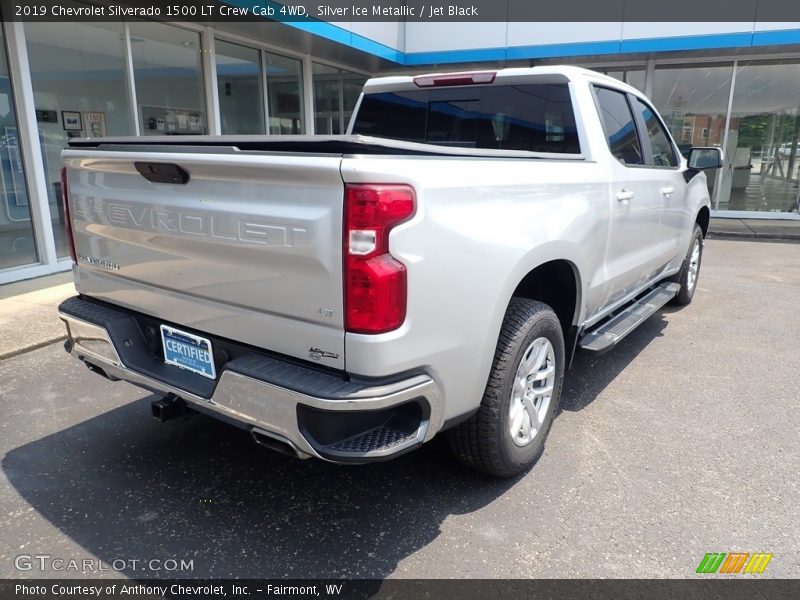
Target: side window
[[663, 153], [619, 126]]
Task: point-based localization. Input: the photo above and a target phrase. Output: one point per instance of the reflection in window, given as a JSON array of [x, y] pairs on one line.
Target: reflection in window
[[633, 76], [79, 89], [285, 94], [327, 100], [241, 102], [693, 102], [169, 82]]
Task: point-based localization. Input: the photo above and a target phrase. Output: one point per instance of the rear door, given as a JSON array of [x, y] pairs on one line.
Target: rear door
[[637, 244], [248, 248], [662, 157]]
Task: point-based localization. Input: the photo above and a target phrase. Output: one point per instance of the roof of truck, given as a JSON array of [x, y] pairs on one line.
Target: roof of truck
[[553, 73]]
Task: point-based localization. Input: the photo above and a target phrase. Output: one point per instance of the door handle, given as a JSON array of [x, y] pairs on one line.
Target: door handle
[[624, 194], [667, 191]]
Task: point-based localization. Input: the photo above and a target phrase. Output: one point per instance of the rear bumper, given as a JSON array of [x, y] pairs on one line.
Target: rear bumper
[[316, 413]]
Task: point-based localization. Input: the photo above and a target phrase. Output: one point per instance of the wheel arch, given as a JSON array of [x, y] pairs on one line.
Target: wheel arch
[[557, 283], [703, 219]]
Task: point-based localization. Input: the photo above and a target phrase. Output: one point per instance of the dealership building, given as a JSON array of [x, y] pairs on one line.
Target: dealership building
[[733, 85]]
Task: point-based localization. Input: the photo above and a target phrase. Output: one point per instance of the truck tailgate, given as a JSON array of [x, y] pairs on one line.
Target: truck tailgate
[[249, 248]]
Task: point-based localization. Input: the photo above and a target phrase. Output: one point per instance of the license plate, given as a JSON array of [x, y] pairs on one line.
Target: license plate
[[188, 351]]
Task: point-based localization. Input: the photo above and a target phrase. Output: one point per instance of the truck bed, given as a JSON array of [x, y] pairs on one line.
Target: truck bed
[[342, 145]]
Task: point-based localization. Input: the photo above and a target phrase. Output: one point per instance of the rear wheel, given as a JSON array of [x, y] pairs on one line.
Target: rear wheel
[[507, 434], [690, 270]]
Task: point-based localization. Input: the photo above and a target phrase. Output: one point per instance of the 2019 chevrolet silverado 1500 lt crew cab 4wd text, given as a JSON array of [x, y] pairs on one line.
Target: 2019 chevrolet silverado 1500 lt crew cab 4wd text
[[434, 270]]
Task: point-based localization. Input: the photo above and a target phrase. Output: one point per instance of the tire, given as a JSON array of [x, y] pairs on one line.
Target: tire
[[485, 442], [690, 270]]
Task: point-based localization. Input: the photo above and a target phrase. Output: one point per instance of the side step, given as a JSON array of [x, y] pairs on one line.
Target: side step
[[609, 333]]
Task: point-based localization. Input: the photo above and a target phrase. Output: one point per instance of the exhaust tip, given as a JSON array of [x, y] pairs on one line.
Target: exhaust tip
[[277, 443]]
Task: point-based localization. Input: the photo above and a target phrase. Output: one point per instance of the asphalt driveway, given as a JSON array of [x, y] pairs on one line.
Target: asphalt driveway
[[682, 441]]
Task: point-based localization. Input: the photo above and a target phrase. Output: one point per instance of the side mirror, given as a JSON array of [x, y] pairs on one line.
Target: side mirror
[[700, 159]]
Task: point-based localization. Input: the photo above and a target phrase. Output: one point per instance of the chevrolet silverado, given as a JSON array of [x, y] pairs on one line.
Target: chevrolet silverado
[[434, 270]]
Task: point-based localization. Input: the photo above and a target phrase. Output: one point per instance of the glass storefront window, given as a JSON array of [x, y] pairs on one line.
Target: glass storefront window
[[762, 158], [284, 94], [336, 92], [241, 98], [634, 76], [169, 79], [79, 90], [352, 83], [327, 100], [693, 101], [17, 245]]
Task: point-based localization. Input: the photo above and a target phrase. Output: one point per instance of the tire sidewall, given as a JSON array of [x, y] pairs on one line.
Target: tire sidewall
[[544, 324], [687, 292]]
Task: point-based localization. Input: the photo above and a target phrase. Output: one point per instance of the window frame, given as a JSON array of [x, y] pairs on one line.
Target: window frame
[[637, 124], [644, 135]]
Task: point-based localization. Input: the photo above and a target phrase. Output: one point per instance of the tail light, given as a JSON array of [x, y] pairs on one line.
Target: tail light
[[375, 290], [67, 217]]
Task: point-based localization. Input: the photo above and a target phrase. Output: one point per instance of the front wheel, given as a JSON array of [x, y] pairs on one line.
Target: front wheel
[[690, 270], [507, 434]]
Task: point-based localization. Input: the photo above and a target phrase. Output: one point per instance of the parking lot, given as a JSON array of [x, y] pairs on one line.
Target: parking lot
[[682, 441]]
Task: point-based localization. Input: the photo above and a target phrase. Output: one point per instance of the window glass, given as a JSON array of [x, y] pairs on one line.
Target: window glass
[[169, 79], [335, 95], [352, 84], [17, 246], [534, 117], [619, 126], [327, 106], [693, 101], [241, 98], [663, 154], [285, 94], [397, 115], [634, 76], [79, 90], [762, 158]]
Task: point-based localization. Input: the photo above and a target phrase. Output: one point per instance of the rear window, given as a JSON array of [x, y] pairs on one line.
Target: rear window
[[533, 117]]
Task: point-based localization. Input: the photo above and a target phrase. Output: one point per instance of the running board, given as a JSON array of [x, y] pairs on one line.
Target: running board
[[611, 332]]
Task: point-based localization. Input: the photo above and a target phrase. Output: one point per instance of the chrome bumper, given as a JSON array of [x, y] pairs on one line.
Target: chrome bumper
[[262, 407]]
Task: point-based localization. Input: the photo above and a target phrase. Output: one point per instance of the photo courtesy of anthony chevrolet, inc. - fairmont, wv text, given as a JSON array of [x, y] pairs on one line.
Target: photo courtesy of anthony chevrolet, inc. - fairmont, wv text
[[399, 299]]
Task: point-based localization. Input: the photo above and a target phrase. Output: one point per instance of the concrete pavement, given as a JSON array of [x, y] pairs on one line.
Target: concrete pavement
[[28, 313]]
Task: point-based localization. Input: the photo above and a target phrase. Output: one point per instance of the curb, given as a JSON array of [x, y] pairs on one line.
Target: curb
[[31, 347], [738, 235]]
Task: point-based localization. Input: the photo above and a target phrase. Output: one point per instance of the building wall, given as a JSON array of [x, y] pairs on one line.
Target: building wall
[[146, 78], [428, 43]]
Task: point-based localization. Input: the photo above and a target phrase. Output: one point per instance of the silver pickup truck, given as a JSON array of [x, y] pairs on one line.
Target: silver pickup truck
[[434, 270]]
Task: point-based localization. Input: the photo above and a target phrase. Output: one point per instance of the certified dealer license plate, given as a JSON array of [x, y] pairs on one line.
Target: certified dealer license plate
[[188, 351]]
